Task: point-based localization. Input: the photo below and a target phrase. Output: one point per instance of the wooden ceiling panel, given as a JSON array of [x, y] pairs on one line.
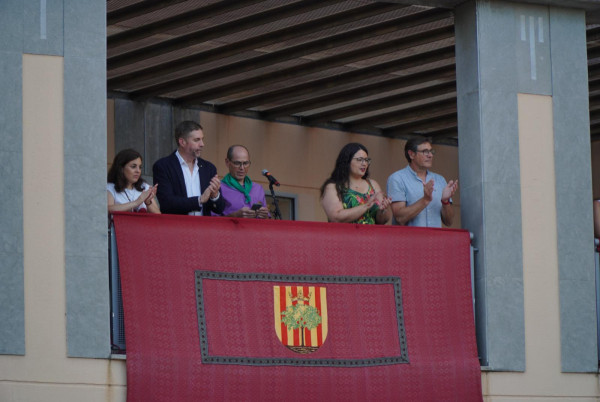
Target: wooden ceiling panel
[[380, 68]]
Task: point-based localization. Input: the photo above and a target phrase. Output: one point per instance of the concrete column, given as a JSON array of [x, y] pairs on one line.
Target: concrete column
[[12, 299], [86, 240], [503, 50], [75, 32]]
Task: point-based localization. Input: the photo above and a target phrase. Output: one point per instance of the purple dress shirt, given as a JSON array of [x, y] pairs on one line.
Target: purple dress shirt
[[235, 199]]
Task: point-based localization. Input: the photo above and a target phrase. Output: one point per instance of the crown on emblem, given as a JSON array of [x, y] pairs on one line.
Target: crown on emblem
[[300, 297]]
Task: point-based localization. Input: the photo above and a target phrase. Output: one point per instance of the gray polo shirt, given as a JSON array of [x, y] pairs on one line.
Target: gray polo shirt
[[405, 185]]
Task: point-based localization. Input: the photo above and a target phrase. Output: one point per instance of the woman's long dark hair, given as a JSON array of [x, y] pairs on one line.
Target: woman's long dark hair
[[115, 173], [341, 172]]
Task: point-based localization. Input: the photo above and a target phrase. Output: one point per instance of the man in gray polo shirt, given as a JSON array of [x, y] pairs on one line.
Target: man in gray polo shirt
[[419, 196]]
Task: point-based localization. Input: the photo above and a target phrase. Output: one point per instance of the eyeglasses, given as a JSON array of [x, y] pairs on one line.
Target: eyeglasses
[[361, 160], [239, 164], [427, 152]]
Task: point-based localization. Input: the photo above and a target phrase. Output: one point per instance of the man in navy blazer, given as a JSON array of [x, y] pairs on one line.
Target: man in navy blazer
[[188, 184]]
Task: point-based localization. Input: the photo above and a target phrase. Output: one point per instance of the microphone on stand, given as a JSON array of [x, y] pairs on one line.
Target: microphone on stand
[[272, 180]]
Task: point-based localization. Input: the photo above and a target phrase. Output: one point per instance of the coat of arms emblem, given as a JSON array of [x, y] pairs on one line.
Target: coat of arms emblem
[[300, 317]]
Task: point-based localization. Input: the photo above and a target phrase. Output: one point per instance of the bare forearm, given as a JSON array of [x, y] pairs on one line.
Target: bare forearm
[[130, 206], [447, 214], [405, 213], [153, 208], [347, 215], [383, 216]]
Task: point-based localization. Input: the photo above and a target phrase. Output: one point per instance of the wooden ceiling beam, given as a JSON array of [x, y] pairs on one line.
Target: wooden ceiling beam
[[414, 112], [296, 52], [212, 32], [174, 22], [439, 121], [280, 35], [382, 103], [137, 9], [328, 83], [293, 73], [360, 91]]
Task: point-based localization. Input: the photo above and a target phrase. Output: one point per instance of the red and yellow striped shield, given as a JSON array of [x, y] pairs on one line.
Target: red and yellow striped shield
[[300, 316]]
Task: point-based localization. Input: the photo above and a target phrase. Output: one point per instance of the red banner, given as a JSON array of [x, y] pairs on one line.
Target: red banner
[[241, 309]]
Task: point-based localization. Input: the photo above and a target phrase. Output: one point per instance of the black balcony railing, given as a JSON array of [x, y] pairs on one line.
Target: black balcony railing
[[597, 260], [117, 322]]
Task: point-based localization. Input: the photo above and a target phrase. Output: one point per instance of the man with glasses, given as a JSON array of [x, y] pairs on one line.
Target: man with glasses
[[243, 198], [419, 196]]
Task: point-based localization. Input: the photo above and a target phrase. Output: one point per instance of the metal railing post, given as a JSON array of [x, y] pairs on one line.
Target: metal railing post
[[597, 264], [117, 322]]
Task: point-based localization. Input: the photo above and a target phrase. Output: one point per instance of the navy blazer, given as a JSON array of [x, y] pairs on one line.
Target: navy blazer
[[171, 192]]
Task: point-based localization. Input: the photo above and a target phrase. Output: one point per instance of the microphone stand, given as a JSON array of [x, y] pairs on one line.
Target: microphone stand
[[277, 212]]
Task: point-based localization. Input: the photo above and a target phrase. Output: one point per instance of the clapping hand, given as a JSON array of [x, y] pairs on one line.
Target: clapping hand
[[428, 190], [146, 196], [212, 191], [150, 194], [382, 200], [449, 190]]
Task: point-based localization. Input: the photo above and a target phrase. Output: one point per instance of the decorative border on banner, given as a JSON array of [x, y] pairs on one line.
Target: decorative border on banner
[[275, 361]]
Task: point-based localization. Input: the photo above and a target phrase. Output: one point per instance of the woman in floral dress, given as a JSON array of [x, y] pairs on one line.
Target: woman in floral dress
[[348, 195]]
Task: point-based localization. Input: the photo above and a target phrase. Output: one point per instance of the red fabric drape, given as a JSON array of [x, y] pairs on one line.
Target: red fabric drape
[[174, 266]]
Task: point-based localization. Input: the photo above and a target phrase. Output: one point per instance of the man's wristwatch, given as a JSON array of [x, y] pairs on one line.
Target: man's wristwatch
[[449, 202]]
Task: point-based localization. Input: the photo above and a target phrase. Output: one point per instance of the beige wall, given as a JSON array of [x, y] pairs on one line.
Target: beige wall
[[45, 373]]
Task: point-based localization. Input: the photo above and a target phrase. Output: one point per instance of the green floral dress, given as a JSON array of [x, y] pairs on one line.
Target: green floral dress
[[353, 199]]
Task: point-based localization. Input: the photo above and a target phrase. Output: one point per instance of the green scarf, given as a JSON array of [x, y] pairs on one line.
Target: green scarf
[[233, 183]]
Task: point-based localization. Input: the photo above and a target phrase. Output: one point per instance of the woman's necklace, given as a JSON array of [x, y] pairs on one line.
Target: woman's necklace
[[356, 186], [126, 191]]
